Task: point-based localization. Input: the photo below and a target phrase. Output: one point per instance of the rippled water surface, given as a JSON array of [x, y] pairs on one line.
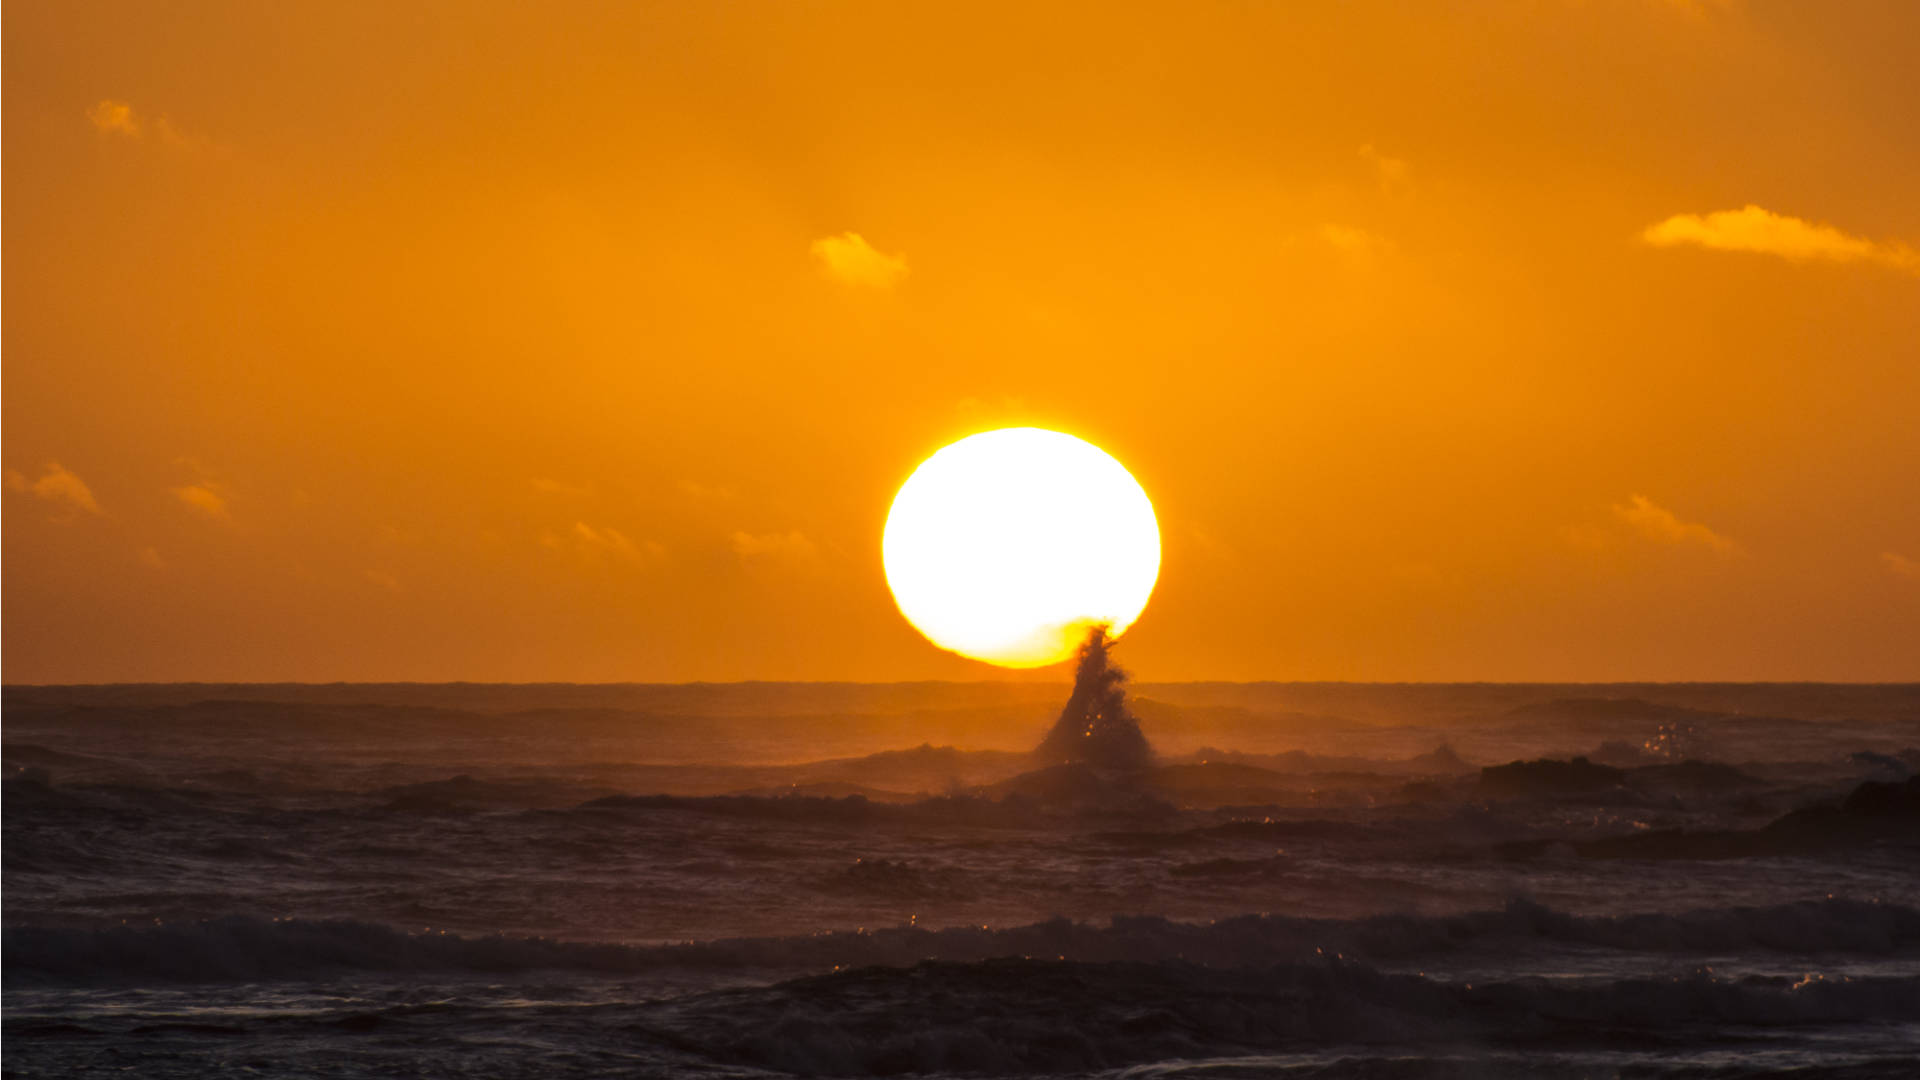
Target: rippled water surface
[[861, 880]]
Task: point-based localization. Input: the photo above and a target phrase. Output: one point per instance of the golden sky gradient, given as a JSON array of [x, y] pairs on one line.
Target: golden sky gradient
[[1528, 339]]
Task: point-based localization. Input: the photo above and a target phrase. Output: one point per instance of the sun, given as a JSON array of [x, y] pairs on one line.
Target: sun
[[1008, 545]]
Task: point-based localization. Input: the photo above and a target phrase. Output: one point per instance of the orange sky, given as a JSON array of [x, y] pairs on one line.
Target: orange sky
[[1531, 339]]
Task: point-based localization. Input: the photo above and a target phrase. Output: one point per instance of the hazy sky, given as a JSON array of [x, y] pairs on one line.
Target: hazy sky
[[1531, 339]]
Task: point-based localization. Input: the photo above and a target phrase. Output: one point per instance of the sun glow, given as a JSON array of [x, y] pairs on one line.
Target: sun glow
[[1006, 546]]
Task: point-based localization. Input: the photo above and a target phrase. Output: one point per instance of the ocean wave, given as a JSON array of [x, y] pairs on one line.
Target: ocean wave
[[1873, 813], [898, 879], [1015, 1017], [247, 949], [1027, 1016], [1012, 811]]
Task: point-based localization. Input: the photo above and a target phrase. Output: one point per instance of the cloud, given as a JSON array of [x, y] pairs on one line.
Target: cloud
[[1211, 547], [706, 492], [1358, 245], [1660, 524], [1392, 171], [1700, 9], [383, 579], [57, 485], [791, 546], [1753, 229], [400, 536], [555, 487], [150, 556], [119, 119], [203, 498], [994, 409], [1901, 566], [114, 118], [613, 542], [851, 259]]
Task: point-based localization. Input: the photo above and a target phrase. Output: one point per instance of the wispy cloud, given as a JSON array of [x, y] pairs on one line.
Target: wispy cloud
[[114, 117], [117, 118], [1700, 9], [607, 540], [1210, 547], [1394, 176], [204, 498], [1757, 230], [550, 486], [849, 258], [1589, 537], [1359, 246], [1901, 566], [791, 546], [56, 485], [706, 492], [1660, 524]]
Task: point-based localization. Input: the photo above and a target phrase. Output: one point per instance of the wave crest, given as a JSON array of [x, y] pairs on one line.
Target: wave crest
[[249, 949]]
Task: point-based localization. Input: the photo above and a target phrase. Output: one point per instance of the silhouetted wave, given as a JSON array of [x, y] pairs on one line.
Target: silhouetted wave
[[243, 948], [1031, 1016], [1873, 813]]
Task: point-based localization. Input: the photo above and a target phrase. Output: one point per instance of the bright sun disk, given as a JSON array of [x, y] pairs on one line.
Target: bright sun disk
[[1006, 546]]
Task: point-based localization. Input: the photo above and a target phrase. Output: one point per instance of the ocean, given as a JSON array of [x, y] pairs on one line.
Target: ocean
[[1313, 880]]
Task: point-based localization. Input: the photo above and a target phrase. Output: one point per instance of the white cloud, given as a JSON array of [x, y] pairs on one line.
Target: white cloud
[[849, 258], [117, 118], [610, 541], [1392, 172], [57, 485], [706, 492], [550, 486], [1360, 246], [204, 498], [1756, 230], [1660, 524], [790, 546], [114, 118]]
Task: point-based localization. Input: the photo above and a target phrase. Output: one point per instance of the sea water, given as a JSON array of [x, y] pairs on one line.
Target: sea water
[[862, 880]]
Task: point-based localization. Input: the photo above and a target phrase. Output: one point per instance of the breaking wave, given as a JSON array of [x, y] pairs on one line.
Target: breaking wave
[[1027, 1016], [248, 949]]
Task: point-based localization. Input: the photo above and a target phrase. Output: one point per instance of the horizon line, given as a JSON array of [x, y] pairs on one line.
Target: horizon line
[[1010, 681]]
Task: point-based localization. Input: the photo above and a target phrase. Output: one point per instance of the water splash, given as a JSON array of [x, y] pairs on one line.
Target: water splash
[[1096, 728]]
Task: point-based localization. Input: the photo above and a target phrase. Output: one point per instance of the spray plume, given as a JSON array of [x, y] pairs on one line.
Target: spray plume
[[1095, 728]]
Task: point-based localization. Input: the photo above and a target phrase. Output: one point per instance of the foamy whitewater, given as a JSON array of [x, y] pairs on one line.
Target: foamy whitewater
[[765, 879]]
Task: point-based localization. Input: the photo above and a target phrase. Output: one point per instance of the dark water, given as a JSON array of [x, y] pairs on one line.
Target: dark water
[[864, 880]]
